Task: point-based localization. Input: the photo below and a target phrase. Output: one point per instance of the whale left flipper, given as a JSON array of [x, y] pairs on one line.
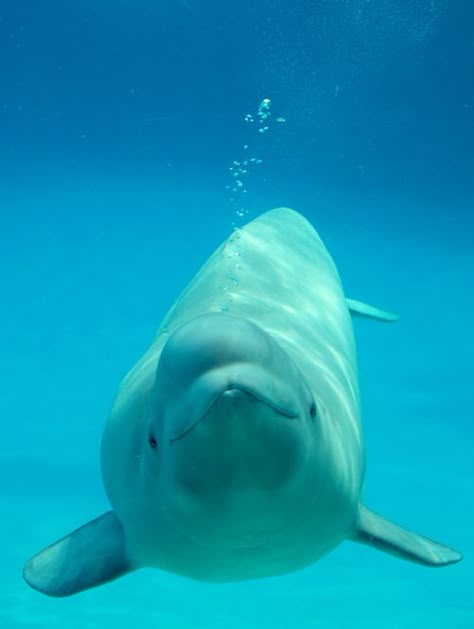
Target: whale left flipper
[[91, 555], [359, 309], [375, 531]]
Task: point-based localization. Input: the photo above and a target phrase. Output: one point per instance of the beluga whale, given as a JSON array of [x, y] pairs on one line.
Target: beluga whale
[[234, 447]]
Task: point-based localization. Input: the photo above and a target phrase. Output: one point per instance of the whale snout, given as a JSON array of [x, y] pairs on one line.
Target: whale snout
[[218, 355], [235, 395]]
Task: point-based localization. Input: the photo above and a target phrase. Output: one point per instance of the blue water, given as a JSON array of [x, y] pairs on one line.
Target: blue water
[[119, 122]]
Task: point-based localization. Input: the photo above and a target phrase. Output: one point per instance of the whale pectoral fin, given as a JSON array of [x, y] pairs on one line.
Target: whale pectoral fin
[[384, 535], [359, 309], [91, 555]]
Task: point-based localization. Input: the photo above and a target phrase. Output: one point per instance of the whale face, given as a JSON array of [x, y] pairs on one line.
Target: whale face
[[230, 429]]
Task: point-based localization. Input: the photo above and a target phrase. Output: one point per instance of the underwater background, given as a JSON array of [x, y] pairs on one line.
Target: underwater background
[[120, 123]]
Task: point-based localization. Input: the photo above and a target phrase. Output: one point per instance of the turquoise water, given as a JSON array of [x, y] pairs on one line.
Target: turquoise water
[[118, 127]]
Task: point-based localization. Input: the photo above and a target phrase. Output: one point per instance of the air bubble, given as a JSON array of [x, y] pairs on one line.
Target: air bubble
[[241, 170]]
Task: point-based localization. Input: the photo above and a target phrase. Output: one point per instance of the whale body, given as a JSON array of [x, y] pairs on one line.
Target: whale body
[[234, 447]]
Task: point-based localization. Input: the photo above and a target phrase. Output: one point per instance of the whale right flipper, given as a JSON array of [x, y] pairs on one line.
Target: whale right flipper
[[91, 555]]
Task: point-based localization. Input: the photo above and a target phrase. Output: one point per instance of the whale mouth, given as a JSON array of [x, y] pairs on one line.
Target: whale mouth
[[236, 390]]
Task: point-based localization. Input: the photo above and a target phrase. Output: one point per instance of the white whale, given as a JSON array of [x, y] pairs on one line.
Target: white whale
[[234, 448]]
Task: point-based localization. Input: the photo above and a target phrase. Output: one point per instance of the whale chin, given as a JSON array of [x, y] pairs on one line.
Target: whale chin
[[242, 445]]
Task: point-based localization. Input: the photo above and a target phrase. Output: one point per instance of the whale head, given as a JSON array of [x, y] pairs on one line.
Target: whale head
[[230, 430]]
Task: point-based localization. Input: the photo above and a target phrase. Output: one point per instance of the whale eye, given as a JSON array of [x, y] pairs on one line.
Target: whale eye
[[153, 442], [312, 410]]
